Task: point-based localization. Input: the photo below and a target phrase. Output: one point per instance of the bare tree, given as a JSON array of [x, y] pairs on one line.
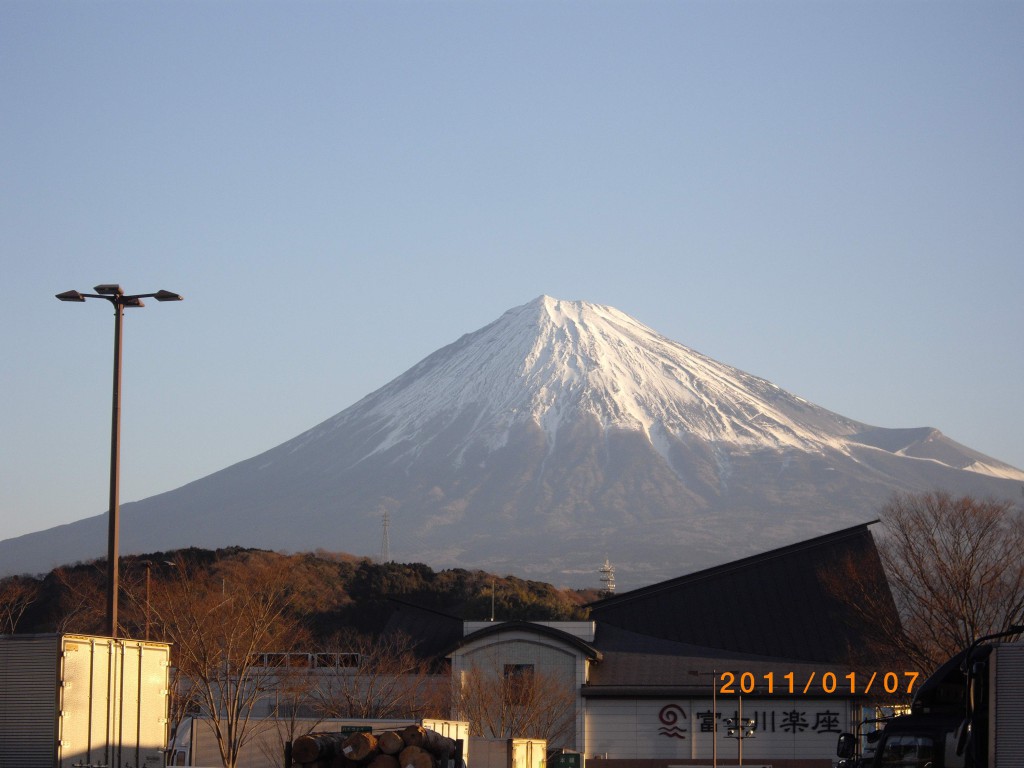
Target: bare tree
[[955, 568], [378, 678], [221, 623], [16, 595], [82, 601], [295, 711], [504, 701]]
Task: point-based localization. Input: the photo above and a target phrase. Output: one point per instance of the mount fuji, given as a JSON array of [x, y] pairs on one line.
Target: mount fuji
[[561, 435]]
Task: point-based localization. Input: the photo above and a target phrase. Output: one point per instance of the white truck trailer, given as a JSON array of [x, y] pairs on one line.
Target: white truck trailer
[[78, 701]]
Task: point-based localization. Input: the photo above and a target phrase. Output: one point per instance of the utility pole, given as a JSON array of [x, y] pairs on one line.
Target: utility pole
[[385, 544]]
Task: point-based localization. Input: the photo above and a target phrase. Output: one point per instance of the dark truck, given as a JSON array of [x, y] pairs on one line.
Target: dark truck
[[968, 714]]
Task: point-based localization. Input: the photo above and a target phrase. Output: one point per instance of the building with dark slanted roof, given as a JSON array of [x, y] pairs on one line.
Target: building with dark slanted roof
[[657, 672], [786, 602]]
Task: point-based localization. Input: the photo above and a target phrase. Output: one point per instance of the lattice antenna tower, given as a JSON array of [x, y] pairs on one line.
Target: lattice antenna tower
[[385, 544], [607, 572]]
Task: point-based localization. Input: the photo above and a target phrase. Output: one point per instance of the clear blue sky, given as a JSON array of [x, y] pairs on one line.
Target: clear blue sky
[[826, 194]]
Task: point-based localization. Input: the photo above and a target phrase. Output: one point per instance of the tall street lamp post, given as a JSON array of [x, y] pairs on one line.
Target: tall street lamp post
[[115, 295]]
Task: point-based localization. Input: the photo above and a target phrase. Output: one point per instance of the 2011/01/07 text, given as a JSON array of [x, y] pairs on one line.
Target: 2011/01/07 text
[[733, 683]]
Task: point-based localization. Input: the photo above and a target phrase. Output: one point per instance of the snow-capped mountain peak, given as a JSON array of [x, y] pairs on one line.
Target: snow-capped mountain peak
[[551, 361]]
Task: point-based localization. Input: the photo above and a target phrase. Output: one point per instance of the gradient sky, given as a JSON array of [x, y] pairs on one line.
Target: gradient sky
[[825, 194]]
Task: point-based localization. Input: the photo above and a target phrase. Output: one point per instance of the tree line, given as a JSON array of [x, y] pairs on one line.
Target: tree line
[[327, 592]]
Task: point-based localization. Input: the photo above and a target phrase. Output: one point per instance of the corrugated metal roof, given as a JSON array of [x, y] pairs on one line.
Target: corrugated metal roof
[[782, 603], [642, 665]]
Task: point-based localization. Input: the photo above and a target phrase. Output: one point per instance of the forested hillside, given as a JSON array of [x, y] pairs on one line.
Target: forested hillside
[[329, 594]]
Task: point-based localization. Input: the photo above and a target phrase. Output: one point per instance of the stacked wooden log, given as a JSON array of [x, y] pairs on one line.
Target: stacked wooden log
[[411, 747]]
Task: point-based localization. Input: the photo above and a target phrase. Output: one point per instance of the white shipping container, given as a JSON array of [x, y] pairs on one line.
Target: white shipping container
[[68, 701], [508, 753]]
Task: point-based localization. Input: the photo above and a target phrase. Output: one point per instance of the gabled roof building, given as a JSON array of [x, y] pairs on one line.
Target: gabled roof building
[[657, 672]]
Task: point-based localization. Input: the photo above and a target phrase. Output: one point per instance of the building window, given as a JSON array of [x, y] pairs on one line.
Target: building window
[[519, 681], [337, 660]]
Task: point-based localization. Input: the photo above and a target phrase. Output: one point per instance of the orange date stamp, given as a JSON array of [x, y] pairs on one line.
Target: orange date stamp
[[830, 683]]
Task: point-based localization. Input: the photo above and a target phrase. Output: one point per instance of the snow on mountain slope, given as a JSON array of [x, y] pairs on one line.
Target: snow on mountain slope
[[550, 361]]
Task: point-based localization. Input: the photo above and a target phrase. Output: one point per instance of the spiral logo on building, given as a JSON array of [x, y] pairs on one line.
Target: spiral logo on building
[[673, 718]]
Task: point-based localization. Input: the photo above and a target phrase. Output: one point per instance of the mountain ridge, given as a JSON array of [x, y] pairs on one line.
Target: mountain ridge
[[561, 434]]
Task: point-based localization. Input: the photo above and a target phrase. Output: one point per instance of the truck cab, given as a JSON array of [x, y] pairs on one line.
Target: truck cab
[[912, 742], [953, 719]]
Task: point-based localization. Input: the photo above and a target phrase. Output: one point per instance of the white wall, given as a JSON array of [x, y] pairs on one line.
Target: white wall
[[681, 728], [549, 657]]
